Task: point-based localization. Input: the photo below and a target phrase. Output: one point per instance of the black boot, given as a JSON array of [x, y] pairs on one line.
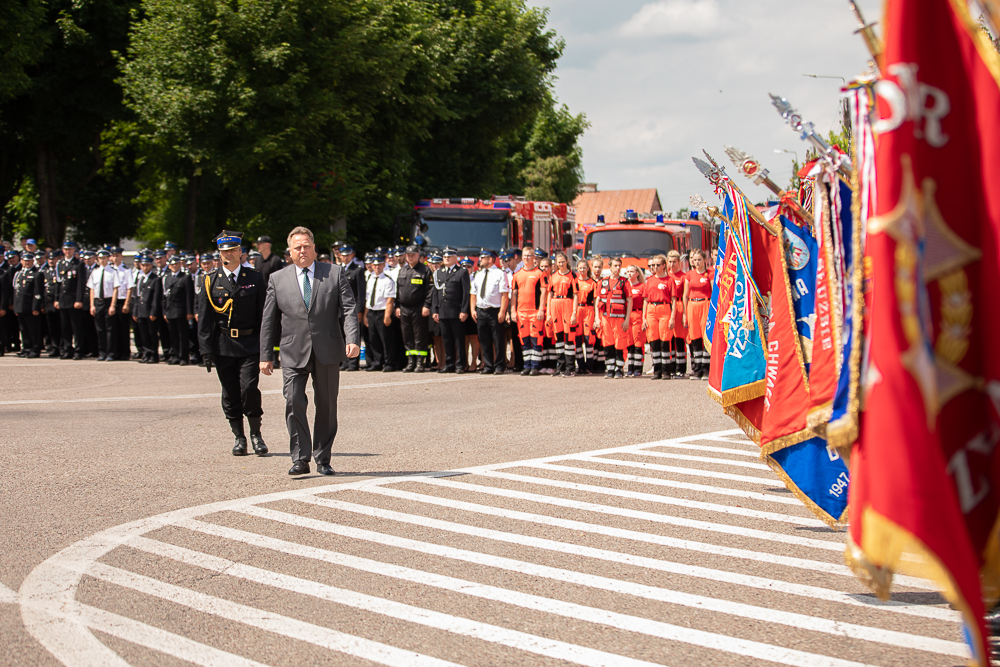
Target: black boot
[[411, 365], [240, 448], [259, 448]]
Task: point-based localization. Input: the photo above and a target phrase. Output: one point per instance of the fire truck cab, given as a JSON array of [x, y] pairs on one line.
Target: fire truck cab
[[501, 222], [637, 237]]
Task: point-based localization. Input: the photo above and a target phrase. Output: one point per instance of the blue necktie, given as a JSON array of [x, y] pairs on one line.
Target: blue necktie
[[307, 288]]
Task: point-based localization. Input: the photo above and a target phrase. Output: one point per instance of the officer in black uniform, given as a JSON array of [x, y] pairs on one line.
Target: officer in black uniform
[[178, 308], [414, 288], [354, 271], [9, 337], [28, 304], [72, 277], [51, 280], [450, 307], [230, 314], [269, 262], [147, 311]]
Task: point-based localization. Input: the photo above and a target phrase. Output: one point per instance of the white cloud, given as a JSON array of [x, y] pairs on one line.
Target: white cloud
[[695, 18], [651, 108]]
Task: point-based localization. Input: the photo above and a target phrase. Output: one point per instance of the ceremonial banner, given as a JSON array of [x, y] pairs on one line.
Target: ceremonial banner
[[737, 365], [713, 304], [817, 476], [801, 257], [924, 472], [825, 360]]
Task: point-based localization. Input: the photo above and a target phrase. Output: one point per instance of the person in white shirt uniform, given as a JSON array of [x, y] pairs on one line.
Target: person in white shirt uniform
[[489, 298], [103, 284], [380, 297], [126, 288]]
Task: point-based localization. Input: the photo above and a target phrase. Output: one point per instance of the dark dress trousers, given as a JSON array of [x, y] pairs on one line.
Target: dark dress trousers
[[229, 317], [414, 292], [29, 298], [311, 345]]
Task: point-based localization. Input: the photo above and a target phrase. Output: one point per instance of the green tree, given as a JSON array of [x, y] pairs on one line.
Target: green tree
[[51, 132], [547, 162], [270, 113], [22, 41]]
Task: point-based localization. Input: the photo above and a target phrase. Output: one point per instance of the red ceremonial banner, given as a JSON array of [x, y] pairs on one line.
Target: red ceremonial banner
[[924, 472], [823, 369]]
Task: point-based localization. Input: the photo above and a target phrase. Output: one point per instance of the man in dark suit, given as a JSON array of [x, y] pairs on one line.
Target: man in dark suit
[[229, 316], [308, 298], [178, 308], [29, 304], [450, 307], [148, 293]]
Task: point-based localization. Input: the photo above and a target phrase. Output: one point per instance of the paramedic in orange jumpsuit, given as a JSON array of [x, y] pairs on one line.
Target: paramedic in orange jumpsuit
[[678, 352], [697, 296], [656, 313], [529, 294], [583, 319], [636, 323], [614, 310]]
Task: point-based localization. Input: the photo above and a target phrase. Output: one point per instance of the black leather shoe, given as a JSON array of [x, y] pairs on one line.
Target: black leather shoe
[[64, 356], [184, 363], [499, 370], [325, 469], [259, 448], [410, 367], [534, 371], [77, 357], [299, 468], [460, 370], [32, 355], [389, 369], [447, 369], [526, 371], [371, 369], [240, 448], [485, 371], [102, 358]]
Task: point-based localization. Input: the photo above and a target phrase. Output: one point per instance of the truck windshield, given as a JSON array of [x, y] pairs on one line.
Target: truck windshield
[[629, 242], [466, 236]]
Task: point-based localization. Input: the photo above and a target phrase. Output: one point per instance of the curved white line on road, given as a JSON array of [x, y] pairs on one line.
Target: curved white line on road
[[7, 596]]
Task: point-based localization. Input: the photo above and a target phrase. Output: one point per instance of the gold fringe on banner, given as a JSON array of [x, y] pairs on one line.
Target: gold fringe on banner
[[887, 548], [742, 394], [748, 429]]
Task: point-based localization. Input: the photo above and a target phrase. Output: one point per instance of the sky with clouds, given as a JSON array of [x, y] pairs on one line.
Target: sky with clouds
[[661, 80]]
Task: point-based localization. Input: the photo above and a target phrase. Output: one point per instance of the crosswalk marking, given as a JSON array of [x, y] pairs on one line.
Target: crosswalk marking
[[613, 511], [656, 498], [627, 509], [673, 484]]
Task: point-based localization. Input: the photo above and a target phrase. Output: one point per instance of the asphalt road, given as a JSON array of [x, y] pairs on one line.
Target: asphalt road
[[473, 521]]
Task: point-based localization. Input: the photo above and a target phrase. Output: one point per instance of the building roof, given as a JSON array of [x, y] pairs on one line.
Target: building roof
[[611, 203]]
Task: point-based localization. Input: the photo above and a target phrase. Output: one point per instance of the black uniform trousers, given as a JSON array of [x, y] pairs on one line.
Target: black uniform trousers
[[178, 327], [146, 331], [123, 346], [453, 332], [107, 327], [382, 341], [31, 332], [416, 338], [491, 338], [163, 331], [239, 377], [55, 330], [193, 340], [9, 326], [71, 320]]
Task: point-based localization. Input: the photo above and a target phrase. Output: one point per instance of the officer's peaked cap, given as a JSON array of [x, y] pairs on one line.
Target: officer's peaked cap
[[227, 240], [448, 252]]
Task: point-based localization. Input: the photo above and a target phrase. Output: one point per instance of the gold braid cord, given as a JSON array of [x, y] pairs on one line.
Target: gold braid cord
[[226, 308]]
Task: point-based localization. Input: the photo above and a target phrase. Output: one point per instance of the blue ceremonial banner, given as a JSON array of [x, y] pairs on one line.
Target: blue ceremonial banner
[[713, 305], [801, 257], [816, 475], [744, 362], [842, 427]]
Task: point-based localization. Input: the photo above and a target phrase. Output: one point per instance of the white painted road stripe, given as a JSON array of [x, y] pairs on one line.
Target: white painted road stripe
[[433, 619], [707, 526], [709, 448], [580, 526], [694, 472], [525, 600], [790, 619], [735, 578], [714, 460], [657, 499], [669, 483], [160, 640], [7, 596], [281, 625], [268, 392]]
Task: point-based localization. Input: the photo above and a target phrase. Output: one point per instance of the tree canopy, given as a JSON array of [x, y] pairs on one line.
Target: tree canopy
[[194, 115]]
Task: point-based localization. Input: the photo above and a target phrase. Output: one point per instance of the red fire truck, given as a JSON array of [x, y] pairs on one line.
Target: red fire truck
[[639, 236], [495, 224]]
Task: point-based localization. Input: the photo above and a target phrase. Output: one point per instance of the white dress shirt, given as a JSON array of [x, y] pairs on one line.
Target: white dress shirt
[[497, 285], [126, 281], [378, 290], [109, 275], [311, 270]]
